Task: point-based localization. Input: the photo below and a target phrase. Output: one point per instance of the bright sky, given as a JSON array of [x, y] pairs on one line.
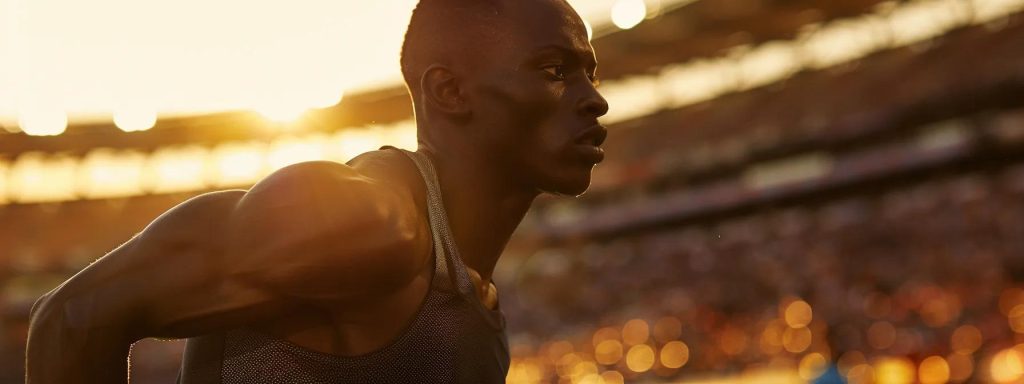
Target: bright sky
[[133, 59]]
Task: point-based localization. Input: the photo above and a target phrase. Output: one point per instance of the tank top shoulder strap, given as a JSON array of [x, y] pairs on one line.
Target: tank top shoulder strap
[[435, 213], [444, 244]]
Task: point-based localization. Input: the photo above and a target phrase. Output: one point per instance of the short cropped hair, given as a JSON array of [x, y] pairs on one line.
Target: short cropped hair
[[444, 31]]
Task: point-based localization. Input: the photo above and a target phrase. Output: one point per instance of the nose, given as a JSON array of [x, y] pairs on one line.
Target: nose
[[592, 104]]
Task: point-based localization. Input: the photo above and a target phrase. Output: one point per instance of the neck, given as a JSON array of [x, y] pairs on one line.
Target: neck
[[483, 207]]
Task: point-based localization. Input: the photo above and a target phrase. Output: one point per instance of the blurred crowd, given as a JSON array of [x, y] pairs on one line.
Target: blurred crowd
[[908, 273]]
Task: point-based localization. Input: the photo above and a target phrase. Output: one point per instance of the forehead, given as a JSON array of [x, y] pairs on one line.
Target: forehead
[[536, 24]]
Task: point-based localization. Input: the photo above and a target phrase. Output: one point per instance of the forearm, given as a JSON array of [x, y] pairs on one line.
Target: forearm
[[61, 351]]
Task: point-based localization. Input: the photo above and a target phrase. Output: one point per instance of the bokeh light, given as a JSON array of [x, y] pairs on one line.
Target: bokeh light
[[674, 354], [106, 173], [238, 164], [635, 331], [612, 377], [605, 333], [584, 370], [35, 178], [796, 340], [812, 365], [43, 121], [733, 341], [933, 370], [966, 339], [176, 169], [608, 352], [894, 370], [292, 150], [133, 120], [798, 314], [1016, 318], [627, 14], [558, 349], [640, 358], [1007, 366]]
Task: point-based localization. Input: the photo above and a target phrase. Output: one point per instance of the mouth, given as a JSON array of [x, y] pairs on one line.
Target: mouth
[[588, 143], [594, 136]]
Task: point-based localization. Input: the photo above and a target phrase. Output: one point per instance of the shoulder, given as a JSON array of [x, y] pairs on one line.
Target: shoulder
[[318, 188], [356, 227], [298, 182]]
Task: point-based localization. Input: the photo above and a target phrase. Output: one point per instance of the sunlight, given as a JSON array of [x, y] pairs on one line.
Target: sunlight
[[191, 57]]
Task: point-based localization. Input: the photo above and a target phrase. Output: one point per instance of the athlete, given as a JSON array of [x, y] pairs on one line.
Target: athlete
[[374, 271]]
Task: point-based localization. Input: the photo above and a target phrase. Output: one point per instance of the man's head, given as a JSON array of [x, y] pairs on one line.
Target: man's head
[[511, 81]]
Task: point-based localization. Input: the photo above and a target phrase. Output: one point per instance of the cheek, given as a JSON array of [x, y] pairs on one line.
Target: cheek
[[522, 120], [534, 116], [521, 104]]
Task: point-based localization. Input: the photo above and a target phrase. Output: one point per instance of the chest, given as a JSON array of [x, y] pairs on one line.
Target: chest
[[353, 329], [448, 340]]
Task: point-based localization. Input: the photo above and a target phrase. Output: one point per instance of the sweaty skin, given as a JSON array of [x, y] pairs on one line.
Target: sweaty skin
[[335, 257]]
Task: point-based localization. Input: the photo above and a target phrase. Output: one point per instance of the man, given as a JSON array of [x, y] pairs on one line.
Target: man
[[375, 271]]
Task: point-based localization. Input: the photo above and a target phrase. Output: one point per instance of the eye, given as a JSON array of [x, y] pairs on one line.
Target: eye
[[594, 79], [558, 71]]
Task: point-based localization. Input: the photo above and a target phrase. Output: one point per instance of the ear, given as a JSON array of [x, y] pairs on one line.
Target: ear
[[442, 91]]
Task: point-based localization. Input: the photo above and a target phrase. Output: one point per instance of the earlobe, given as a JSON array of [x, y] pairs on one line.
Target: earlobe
[[443, 92]]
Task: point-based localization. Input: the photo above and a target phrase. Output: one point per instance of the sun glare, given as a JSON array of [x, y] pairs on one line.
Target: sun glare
[[279, 59], [43, 121]]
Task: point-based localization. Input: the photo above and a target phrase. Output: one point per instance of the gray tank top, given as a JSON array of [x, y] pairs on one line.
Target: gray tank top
[[452, 339]]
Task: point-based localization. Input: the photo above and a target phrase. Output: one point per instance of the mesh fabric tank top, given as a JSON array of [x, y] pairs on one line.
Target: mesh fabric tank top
[[453, 338]]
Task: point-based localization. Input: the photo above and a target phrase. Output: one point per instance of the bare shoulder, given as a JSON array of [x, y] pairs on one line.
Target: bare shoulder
[[323, 230], [324, 194]]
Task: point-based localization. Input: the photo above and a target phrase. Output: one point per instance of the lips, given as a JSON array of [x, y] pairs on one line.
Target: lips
[[594, 136], [587, 144]]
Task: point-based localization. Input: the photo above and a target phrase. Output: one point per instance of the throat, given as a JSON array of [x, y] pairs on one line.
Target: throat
[[483, 210]]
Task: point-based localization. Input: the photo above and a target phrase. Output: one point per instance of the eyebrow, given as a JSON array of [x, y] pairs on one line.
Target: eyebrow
[[585, 56]]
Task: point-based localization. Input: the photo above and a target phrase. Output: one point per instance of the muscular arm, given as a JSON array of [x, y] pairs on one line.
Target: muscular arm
[[315, 233]]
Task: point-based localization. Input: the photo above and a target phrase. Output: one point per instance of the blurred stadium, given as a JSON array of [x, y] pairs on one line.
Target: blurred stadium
[[796, 191]]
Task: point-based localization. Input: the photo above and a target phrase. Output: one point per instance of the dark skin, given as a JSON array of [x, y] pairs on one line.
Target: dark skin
[[334, 257]]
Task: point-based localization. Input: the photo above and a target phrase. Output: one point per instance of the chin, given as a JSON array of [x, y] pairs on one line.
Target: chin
[[574, 185]]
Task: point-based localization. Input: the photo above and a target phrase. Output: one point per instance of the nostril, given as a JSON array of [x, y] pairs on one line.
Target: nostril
[[596, 107]]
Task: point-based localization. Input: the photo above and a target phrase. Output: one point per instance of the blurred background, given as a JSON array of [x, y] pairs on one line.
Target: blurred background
[[796, 191]]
